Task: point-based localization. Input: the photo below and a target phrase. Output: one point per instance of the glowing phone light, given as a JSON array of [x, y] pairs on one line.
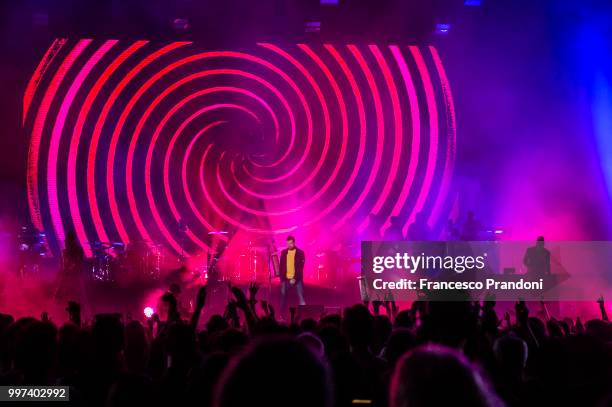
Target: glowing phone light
[[148, 312]]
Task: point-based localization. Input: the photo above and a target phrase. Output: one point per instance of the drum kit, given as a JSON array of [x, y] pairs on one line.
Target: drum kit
[[32, 248], [247, 262], [256, 260], [111, 261], [252, 263]]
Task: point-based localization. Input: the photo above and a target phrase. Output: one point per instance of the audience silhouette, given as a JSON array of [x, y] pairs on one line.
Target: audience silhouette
[[432, 354]]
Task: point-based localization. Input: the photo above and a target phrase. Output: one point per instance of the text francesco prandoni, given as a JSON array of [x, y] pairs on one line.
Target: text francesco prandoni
[[412, 263]]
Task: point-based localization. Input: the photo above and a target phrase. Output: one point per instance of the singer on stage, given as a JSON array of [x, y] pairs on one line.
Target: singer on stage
[[292, 261]]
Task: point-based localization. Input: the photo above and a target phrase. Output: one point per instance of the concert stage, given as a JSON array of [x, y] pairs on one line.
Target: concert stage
[[330, 203], [156, 152]]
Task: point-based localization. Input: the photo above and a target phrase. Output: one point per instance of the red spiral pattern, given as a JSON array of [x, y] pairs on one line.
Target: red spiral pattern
[[128, 138]]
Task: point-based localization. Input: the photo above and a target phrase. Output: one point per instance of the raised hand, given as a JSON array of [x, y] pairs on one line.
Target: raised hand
[[387, 306], [394, 308], [602, 308], [230, 309], [264, 307], [376, 306], [522, 312], [200, 301], [271, 310], [253, 288], [201, 297], [241, 300], [388, 298]]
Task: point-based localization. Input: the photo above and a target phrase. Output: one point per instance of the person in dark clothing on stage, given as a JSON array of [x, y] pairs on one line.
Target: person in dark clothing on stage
[[419, 230], [291, 272], [69, 283], [537, 259]]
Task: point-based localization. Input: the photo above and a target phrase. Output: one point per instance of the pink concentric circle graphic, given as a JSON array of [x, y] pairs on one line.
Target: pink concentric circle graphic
[[130, 138]]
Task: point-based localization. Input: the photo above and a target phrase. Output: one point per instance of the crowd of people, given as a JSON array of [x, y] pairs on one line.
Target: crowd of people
[[430, 354]]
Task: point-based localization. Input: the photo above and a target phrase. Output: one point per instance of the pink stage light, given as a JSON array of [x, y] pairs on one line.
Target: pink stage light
[[44, 63], [191, 202], [110, 162], [113, 146], [37, 130], [56, 134], [326, 120], [416, 132], [133, 141], [149, 192], [313, 97], [176, 107], [54, 147], [452, 136], [73, 198], [380, 124], [362, 137], [433, 139], [397, 121], [151, 146], [148, 312], [95, 137], [221, 213]]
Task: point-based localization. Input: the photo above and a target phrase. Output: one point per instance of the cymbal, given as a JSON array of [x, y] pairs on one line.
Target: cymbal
[[218, 232]]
